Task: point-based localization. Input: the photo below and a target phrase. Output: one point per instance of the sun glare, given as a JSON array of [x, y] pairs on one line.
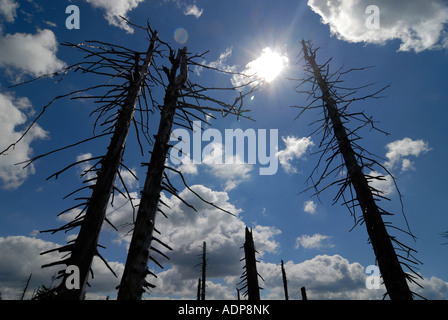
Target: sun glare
[[269, 65]]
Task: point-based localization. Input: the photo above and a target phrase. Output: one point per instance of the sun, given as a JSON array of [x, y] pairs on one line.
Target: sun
[[268, 65]]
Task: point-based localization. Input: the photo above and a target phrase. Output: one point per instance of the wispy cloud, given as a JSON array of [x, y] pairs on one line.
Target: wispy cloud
[[316, 241], [116, 8], [188, 9]]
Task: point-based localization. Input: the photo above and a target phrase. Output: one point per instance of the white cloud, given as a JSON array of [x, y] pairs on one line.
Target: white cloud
[[418, 24], [193, 10], [14, 113], [295, 149], [30, 54], [116, 8], [324, 277], [8, 9], [399, 149], [19, 257], [232, 173], [316, 241], [310, 207], [188, 9]]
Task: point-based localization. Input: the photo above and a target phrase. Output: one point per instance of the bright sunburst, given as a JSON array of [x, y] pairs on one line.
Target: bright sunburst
[[269, 65]]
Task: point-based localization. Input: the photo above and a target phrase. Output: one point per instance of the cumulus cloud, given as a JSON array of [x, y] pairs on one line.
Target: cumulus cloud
[[295, 149], [116, 8], [419, 25], [14, 113], [8, 9], [316, 241], [310, 207], [399, 149], [185, 230], [33, 54]]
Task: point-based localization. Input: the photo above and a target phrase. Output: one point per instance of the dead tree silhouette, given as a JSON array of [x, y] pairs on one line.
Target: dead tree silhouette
[[125, 92], [339, 141], [203, 265], [250, 274], [181, 98], [285, 281]]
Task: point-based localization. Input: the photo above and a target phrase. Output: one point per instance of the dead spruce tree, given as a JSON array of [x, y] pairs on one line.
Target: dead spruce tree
[[125, 92], [84, 248], [183, 100], [203, 265], [338, 141], [250, 274]]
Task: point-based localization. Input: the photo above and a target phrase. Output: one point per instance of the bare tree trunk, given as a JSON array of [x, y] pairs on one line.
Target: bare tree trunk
[[285, 282], [199, 290], [303, 291], [253, 289], [85, 246], [204, 267], [133, 281], [392, 273]]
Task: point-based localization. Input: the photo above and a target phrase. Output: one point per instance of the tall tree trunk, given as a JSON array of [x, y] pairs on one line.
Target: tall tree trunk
[[204, 268], [253, 289], [392, 273], [133, 281], [85, 246], [303, 291], [285, 282], [199, 290]]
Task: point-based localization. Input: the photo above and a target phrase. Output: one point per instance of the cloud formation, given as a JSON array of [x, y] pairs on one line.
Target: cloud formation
[[310, 207], [193, 10], [14, 113], [8, 9], [316, 241], [419, 25], [295, 149], [399, 149], [116, 8], [33, 54]]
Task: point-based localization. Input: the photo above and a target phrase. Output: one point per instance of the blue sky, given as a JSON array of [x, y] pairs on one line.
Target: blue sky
[[408, 51]]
